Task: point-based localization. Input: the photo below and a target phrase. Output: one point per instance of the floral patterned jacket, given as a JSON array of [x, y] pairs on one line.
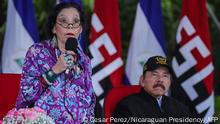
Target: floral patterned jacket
[[70, 99]]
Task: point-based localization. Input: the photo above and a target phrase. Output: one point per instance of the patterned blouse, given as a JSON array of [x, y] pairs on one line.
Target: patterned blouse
[[70, 99]]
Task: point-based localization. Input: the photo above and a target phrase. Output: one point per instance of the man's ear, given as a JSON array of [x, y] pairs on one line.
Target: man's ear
[[141, 80]]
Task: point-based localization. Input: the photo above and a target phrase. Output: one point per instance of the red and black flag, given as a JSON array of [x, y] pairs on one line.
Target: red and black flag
[[105, 48], [192, 62]]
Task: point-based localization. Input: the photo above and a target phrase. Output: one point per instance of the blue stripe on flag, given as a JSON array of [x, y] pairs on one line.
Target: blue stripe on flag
[[25, 9], [150, 9]]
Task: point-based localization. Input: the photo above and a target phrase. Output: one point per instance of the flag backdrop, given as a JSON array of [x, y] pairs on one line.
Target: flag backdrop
[[105, 48], [192, 63], [21, 32], [147, 38]]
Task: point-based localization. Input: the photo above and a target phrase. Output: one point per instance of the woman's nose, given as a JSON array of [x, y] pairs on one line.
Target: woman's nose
[[70, 26]]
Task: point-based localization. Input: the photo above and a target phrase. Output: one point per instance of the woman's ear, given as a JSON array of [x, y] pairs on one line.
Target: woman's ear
[[54, 30], [80, 30]]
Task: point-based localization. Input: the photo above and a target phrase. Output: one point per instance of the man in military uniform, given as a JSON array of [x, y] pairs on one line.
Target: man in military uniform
[[151, 104]]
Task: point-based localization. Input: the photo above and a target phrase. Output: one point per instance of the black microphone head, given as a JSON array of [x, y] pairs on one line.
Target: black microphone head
[[71, 44]]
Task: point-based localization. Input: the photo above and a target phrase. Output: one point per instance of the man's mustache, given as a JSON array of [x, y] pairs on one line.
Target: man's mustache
[[159, 85]]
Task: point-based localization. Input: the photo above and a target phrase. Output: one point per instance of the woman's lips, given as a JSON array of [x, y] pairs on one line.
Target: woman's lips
[[70, 34]]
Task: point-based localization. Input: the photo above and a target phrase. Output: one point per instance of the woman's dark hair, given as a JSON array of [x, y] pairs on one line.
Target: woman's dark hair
[[58, 8]]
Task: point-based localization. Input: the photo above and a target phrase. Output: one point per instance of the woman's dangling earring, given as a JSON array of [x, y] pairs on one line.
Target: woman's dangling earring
[[79, 41], [79, 38], [54, 40]]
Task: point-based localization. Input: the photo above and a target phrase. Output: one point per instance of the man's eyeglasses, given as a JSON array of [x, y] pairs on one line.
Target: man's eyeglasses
[[65, 24]]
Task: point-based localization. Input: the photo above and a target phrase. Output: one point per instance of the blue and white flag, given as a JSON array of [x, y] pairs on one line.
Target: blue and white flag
[[147, 39], [21, 33]]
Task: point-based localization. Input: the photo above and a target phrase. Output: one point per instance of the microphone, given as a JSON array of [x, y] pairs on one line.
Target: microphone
[[71, 44]]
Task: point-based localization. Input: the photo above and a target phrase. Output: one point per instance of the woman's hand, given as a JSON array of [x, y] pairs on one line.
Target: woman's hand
[[62, 64]]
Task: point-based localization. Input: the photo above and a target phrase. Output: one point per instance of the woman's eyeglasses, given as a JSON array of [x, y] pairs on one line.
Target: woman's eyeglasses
[[62, 22]]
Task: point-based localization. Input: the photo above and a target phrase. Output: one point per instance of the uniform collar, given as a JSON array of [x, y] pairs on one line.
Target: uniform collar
[[146, 96]]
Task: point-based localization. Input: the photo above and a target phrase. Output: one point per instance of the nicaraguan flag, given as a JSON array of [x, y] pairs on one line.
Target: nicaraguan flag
[[21, 33], [147, 38]]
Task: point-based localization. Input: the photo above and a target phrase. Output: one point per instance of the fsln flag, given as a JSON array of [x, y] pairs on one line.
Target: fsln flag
[[21, 33], [192, 63], [147, 38], [82, 38], [105, 48]]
